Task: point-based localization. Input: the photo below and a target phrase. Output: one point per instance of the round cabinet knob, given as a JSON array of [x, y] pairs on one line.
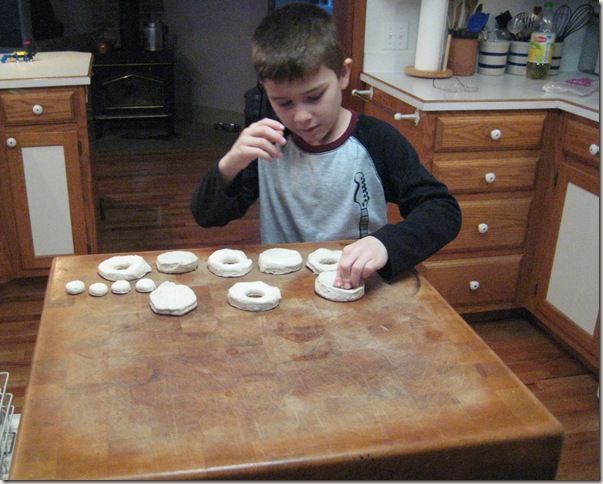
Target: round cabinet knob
[[482, 228], [474, 285], [593, 149], [496, 134], [490, 177], [11, 142], [37, 109]]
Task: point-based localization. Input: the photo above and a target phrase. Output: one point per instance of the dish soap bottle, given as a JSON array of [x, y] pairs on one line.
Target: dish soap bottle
[[541, 45]]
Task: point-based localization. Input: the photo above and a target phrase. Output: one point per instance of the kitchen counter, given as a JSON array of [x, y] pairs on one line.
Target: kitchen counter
[[48, 69], [395, 385], [493, 93]]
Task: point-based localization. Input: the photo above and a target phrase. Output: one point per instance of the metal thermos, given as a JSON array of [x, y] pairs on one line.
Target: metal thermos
[[153, 35], [589, 57]]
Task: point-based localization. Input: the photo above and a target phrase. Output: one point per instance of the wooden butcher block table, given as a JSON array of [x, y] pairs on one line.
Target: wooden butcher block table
[[394, 385]]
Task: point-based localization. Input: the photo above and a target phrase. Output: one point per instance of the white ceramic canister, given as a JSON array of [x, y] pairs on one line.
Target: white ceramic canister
[[518, 57], [556, 60], [493, 57]]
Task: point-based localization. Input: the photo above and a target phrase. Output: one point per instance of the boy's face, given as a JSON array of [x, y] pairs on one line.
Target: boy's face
[[311, 107]]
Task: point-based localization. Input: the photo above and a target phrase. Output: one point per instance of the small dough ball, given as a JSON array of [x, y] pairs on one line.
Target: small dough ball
[[229, 263], [322, 260], [173, 299], [145, 285], [280, 261], [120, 287], [254, 296], [324, 288], [75, 287], [98, 289], [177, 262]]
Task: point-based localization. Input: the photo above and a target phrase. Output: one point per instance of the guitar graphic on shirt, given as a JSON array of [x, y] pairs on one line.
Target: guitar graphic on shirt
[[361, 197]]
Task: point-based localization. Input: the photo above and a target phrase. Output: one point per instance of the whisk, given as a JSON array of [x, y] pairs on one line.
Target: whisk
[[578, 19], [561, 18]]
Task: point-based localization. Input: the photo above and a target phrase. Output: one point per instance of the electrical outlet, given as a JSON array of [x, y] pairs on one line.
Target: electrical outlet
[[395, 35]]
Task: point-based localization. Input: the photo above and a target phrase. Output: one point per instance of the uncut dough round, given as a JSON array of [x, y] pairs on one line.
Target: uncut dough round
[[98, 289], [254, 296], [177, 262], [280, 261], [121, 287], [145, 285], [324, 288], [229, 263], [123, 267], [322, 260], [75, 287], [173, 299]]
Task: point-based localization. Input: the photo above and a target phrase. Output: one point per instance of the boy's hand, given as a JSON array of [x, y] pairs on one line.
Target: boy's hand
[[359, 260], [258, 140]]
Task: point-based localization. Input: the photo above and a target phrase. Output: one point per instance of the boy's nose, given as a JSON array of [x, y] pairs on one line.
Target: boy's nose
[[302, 115]]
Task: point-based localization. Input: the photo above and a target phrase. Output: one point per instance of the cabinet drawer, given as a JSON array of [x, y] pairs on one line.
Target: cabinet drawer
[[492, 224], [37, 107], [580, 139], [467, 282], [474, 133], [498, 172]]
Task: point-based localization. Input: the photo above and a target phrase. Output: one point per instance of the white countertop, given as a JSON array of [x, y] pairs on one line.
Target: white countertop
[[493, 93], [47, 69]]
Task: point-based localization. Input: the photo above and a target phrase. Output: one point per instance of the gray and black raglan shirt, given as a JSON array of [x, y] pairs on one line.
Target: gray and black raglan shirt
[[340, 191]]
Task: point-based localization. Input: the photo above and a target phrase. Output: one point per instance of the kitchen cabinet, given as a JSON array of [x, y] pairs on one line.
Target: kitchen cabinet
[[488, 160], [46, 178], [564, 289]]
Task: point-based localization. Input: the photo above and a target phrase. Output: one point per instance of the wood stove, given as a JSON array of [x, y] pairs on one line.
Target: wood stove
[[133, 88], [130, 86]]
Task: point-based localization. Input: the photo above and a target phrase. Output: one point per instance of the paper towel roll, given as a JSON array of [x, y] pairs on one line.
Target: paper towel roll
[[432, 30]]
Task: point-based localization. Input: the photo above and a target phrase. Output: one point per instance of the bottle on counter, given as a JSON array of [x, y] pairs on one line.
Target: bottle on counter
[[541, 45]]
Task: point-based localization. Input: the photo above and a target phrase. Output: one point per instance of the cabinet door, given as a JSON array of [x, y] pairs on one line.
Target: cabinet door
[[569, 298], [46, 188]]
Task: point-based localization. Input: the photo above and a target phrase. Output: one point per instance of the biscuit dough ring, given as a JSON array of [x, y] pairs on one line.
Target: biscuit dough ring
[[280, 261], [324, 288], [229, 263], [322, 260], [123, 267], [254, 296]]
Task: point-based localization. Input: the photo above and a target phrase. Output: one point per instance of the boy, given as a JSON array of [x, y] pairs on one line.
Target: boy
[[325, 173]]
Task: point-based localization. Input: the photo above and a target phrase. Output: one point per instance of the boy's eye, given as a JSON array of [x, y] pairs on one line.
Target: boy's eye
[[314, 98]]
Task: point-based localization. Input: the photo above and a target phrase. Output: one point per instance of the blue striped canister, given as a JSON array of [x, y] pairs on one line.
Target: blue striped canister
[[556, 60], [518, 57], [493, 57]]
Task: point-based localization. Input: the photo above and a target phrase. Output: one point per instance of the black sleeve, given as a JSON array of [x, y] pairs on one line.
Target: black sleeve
[[432, 216], [214, 205]]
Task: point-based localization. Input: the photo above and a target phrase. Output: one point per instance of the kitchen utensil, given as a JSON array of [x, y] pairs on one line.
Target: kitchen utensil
[[531, 22], [477, 21], [461, 20], [561, 18], [515, 26], [451, 13], [502, 34], [502, 20], [578, 20]]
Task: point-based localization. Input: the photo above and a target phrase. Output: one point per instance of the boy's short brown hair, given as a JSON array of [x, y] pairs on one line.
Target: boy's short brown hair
[[294, 41]]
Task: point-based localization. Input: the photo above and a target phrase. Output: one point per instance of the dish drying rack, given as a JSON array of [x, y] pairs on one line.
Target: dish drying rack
[[8, 431]]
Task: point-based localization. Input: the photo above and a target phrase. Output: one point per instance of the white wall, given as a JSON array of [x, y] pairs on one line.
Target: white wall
[[211, 41], [380, 12]]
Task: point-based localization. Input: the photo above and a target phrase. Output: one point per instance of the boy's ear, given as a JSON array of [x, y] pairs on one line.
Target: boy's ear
[[344, 74]]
